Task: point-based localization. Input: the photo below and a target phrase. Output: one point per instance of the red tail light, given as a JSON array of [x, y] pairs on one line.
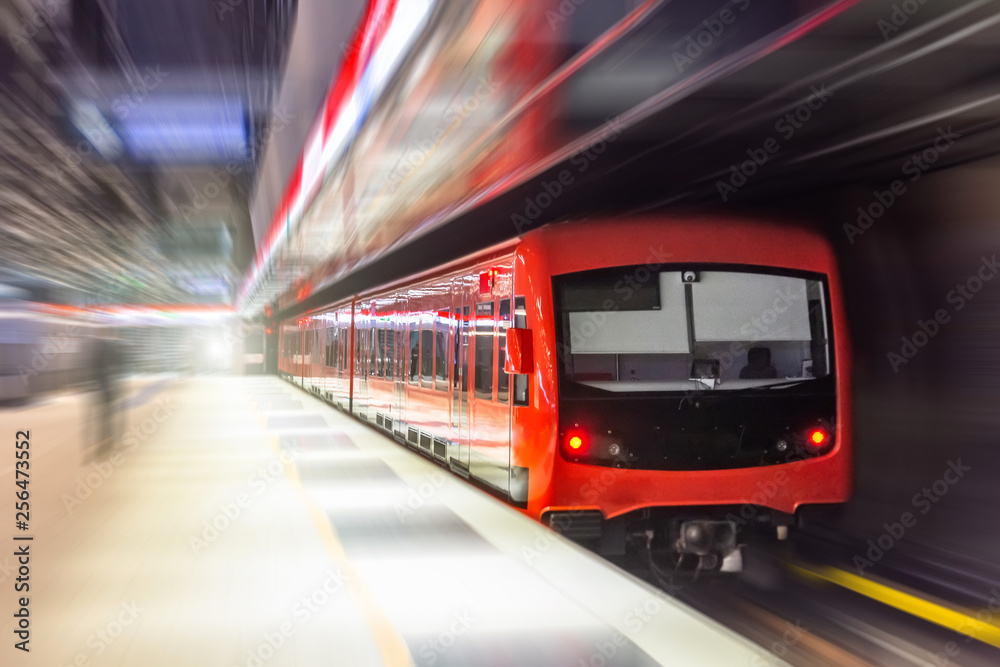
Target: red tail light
[[817, 440], [576, 444]]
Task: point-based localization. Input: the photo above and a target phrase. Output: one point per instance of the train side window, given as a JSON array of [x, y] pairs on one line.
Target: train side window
[[441, 356], [414, 354], [380, 353], [484, 350], [338, 351], [345, 358], [370, 350], [426, 357], [358, 335], [334, 346], [338, 342], [390, 351], [503, 380], [520, 381]]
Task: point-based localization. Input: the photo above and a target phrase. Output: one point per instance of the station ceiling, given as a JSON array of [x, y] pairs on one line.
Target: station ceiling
[[130, 136]]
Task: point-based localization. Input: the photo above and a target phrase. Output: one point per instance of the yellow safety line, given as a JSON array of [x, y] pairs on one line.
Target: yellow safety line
[[962, 621], [390, 643]]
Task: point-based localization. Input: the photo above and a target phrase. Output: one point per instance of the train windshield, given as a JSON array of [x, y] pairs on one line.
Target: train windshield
[[632, 329]]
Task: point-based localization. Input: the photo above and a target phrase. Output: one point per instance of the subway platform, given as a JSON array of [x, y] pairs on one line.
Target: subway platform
[[241, 521]]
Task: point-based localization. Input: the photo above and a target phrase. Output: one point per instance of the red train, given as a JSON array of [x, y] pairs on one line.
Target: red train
[[671, 381]]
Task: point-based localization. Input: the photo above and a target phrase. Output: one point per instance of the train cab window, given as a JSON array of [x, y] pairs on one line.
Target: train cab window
[[701, 329], [441, 356], [390, 352], [503, 323], [484, 351], [520, 381], [426, 357], [414, 355]]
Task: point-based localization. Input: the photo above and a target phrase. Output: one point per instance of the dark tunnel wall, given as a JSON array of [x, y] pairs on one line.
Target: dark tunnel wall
[[934, 408]]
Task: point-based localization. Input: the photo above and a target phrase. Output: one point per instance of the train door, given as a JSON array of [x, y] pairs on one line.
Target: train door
[[411, 373], [400, 360], [315, 370], [362, 323], [490, 451], [301, 356], [458, 457]]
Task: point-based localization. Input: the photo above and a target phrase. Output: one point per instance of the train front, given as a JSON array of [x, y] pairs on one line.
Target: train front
[[701, 375]]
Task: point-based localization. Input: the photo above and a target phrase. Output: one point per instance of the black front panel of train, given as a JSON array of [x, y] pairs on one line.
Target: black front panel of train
[[701, 431]]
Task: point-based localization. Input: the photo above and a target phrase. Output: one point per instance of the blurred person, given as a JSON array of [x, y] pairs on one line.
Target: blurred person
[[107, 377]]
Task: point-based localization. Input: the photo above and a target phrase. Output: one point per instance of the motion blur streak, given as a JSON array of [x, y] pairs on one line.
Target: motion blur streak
[[960, 621], [572, 332]]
